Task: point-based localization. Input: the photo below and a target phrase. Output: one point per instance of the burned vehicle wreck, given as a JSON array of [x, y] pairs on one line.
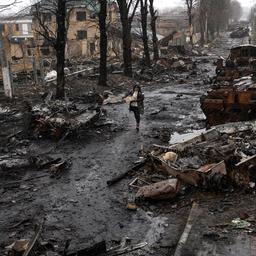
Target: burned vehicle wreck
[[230, 103], [233, 95], [240, 32]]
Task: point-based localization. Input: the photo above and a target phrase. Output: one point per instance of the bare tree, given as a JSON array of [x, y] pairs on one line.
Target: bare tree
[[236, 10], [60, 48], [214, 17], [127, 9], [153, 14], [144, 25], [6, 7], [202, 20], [103, 42], [54, 34], [190, 4]]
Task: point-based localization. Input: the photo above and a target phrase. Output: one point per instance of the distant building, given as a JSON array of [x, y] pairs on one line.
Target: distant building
[[25, 44], [168, 23], [18, 42], [83, 31], [165, 25]]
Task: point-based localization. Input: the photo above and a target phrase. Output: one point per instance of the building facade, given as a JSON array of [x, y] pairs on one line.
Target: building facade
[[83, 30], [18, 40]]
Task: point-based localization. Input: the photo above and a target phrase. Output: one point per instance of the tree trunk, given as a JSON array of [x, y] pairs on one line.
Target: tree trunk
[[103, 43], [153, 28], [202, 32], [127, 15], [60, 48], [144, 25], [190, 27], [127, 50], [202, 19], [126, 36]]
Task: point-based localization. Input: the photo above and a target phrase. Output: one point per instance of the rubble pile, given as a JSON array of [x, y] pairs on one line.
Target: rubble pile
[[221, 159], [55, 119], [167, 69], [177, 63]]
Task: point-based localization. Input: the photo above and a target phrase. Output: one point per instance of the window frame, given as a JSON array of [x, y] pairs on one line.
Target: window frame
[[79, 34], [81, 16]]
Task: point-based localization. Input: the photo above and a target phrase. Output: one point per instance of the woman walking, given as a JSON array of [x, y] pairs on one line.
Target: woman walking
[[136, 103]]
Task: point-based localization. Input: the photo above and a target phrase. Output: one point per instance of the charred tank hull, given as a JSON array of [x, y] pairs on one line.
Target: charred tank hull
[[229, 105]]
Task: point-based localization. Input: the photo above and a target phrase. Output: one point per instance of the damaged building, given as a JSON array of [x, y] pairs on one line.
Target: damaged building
[[18, 40], [27, 48], [82, 22]]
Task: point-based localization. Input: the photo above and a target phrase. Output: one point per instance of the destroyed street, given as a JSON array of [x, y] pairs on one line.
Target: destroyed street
[[81, 175]]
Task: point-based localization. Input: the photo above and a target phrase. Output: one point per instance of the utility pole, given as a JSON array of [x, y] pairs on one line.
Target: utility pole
[[5, 69]]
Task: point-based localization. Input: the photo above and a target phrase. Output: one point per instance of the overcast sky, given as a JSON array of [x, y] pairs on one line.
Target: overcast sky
[[159, 3], [167, 3]]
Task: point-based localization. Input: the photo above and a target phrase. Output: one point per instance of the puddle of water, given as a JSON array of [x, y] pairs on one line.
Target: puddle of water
[[177, 138], [156, 229]]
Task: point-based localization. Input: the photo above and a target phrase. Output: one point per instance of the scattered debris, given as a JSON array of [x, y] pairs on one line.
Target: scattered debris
[[211, 160], [58, 119], [240, 224], [126, 249], [158, 191], [18, 247]]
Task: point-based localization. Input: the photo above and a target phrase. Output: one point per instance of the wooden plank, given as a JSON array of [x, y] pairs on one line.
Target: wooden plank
[[194, 212]]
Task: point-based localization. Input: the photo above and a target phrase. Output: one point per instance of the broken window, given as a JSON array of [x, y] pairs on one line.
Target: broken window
[[29, 52], [45, 51], [47, 17], [81, 16], [81, 34], [17, 28]]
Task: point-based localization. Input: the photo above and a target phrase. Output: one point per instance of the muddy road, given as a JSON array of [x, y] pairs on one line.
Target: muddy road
[[79, 205]]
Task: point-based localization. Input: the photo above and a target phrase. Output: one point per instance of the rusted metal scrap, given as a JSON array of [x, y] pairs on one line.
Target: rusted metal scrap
[[244, 172], [233, 97], [213, 175], [166, 189], [230, 104]]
